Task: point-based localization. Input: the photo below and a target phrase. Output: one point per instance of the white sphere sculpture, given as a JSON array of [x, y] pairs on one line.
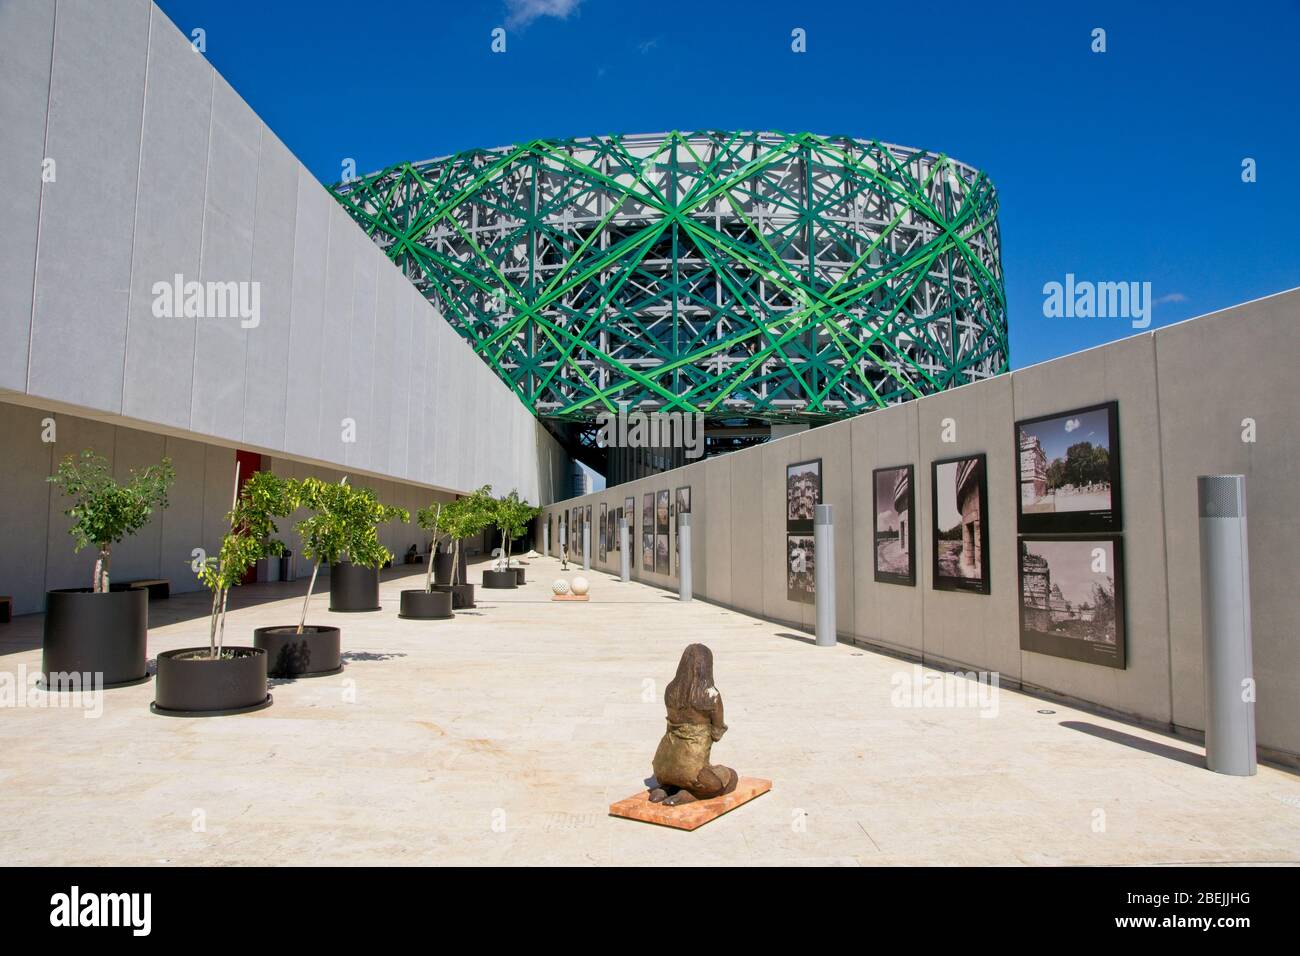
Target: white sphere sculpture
[[580, 585], [560, 586]]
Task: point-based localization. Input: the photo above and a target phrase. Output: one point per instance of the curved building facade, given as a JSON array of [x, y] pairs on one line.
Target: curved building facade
[[751, 277]]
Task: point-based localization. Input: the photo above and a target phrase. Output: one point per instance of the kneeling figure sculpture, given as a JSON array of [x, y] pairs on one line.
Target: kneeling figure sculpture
[[681, 764]]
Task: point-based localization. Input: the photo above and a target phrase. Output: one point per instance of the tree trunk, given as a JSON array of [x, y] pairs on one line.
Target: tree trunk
[[101, 568], [302, 621], [455, 563], [212, 625], [221, 629]]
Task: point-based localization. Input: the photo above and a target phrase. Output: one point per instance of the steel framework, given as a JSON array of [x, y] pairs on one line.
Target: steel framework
[[770, 276]]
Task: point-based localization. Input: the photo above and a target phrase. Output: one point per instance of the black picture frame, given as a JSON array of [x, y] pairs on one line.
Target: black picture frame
[[663, 504], [647, 551], [801, 524], [661, 554], [1030, 519], [941, 580], [800, 571], [629, 512], [883, 575], [604, 531], [1047, 618]]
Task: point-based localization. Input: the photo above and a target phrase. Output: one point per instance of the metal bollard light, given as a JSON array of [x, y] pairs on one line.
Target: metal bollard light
[[685, 583], [1225, 622], [824, 574], [624, 547]]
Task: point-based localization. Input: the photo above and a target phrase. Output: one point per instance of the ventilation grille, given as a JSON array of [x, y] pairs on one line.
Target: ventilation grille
[[1222, 496]]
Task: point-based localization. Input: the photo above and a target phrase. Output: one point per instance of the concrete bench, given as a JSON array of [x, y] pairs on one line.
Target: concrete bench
[[159, 589]]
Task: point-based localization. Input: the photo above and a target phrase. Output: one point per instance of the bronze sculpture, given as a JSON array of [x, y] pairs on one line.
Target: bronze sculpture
[[681, 766]]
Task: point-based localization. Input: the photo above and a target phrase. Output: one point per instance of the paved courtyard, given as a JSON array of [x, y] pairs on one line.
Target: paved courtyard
[[501, 738]]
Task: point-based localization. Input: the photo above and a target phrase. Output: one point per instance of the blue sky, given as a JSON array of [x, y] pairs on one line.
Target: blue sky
[[1058, 434], [1116, 166]]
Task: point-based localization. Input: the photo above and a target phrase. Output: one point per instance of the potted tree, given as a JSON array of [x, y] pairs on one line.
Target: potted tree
[[512, 515], [342, 522], [98, 630], [464, 518], [215, 680], [499, 576], [426, 603]]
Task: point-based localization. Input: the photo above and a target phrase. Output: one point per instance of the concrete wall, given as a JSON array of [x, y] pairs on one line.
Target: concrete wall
[[160, 168], [38, 552], [1183, 393]]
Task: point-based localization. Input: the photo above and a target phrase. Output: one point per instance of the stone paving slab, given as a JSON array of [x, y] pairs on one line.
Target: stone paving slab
[[503, 736]]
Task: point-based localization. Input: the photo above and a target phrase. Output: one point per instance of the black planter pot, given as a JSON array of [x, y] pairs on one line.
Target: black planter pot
[[462, 595], [499, 580], [442, 568], [519, 574], [191, 685], [426, 605], [89, 633], [353, 588], [316, 652]]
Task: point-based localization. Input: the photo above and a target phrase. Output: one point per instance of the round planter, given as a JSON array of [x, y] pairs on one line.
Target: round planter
[[519, 574], [316, 652], [499, 579], [353, 588], [191, 685], [462, 595], [442, 568], [89, 633], [426, 605]]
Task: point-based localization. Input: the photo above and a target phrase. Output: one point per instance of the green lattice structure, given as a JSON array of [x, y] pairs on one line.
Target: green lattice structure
[[780, 277]]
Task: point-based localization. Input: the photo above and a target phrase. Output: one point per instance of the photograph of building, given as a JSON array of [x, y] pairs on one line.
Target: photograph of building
[[803, 492], [1068, 465], [960, 528], [895, 528], [801, 560], [1070, 602]]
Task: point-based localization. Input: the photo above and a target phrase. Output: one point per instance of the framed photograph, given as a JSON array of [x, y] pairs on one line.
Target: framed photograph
[[661, 512], [1069, 472], [648, 513], [604, 531], [803, 492], [895, 527], [683, 508], [661, 554], [1072, 598], [629, 512], [647, 552], [959, 497], [800, 562]]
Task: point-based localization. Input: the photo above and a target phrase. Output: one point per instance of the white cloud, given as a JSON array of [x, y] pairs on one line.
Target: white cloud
[[1071, 424], [1171, 297], [520, 13]]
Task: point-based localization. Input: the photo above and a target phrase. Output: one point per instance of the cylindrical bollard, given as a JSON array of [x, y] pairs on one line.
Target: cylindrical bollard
[[685, 584], [624, 550], [1225, 622], [586, 547], [824, 574]]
